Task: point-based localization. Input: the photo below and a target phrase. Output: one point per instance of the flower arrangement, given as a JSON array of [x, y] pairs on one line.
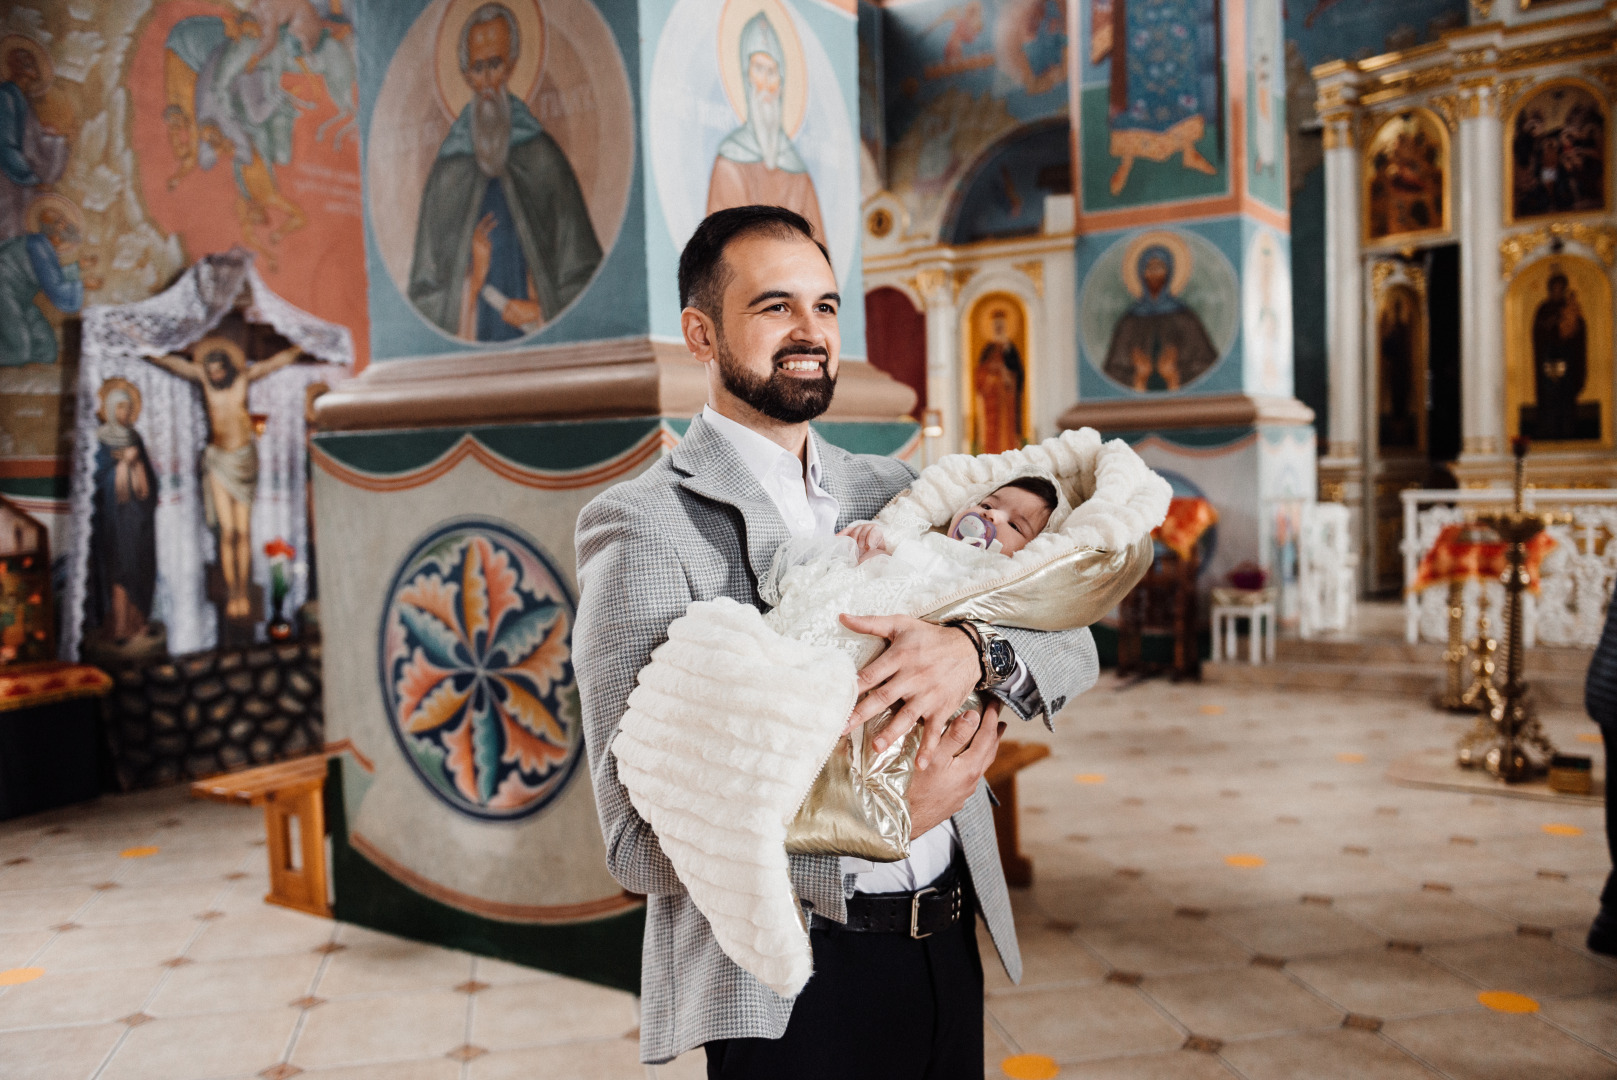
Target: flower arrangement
[[280, 555]]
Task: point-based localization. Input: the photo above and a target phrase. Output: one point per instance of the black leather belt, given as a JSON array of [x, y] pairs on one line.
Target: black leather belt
[[918, 914]]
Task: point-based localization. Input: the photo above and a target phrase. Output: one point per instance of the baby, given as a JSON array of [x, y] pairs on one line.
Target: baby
[[1002, 522]]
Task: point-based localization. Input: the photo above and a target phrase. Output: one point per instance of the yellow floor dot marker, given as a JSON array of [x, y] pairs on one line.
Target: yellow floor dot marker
[[1555, 828], [138, 852], [1212, 710], [18, 976], [1350, 759], [1506, 1002], [1089, 778], [1589, 736], [1029, 1067], [1246, 862]]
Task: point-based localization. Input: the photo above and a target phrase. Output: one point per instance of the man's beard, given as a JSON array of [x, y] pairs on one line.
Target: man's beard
[[763, 117], [491, 132], [789, 399]]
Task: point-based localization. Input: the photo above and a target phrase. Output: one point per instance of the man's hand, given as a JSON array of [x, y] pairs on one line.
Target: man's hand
[[965, 753], [520, 313], [482, 251], [867, 537], [929, 668]]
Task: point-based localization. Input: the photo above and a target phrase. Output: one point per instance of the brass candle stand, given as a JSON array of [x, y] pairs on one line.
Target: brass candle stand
[[1508, 740]]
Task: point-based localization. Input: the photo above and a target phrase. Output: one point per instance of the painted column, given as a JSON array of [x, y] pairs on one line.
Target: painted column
[[1482, 367], [1344, 316], [942, 359]]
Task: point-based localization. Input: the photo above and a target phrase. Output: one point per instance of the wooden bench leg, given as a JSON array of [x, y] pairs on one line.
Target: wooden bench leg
[[1007, 827], [297, 870]]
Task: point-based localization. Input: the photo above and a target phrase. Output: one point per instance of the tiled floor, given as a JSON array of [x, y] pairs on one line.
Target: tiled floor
[[1226, 887]]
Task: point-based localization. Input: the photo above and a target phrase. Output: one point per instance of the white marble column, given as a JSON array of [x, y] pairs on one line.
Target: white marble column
[[1060, 365], [942, 360], [1344, 291], [1479, 192]]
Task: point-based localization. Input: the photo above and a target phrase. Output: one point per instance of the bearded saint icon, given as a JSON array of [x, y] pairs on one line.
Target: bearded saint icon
[[757, 163]]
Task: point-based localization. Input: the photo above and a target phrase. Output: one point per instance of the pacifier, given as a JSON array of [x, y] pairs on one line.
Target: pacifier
[[974, 529]]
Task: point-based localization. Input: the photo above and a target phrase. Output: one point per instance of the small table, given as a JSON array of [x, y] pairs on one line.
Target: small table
[[50, 717], [1257, 606], [291, 794]]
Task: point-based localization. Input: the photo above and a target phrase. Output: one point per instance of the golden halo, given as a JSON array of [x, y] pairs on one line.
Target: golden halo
[[1183, 261], [112, 384], [985, 309], [794, 80], [238, 359], [67, 207], [47, 70], [452, 88]]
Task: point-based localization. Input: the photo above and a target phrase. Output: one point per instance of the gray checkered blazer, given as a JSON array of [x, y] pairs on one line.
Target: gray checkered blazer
[[696, 526]]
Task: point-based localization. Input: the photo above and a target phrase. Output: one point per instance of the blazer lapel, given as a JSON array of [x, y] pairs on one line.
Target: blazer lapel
[[715, 471]]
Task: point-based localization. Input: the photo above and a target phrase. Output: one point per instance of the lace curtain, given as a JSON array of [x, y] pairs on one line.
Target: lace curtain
[[173, 423]]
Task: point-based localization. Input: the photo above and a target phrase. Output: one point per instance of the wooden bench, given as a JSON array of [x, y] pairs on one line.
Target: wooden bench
[[291, 794], [1012, 758]]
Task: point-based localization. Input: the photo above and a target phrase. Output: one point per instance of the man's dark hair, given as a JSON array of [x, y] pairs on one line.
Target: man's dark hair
[[1037, 485], [702, 272]]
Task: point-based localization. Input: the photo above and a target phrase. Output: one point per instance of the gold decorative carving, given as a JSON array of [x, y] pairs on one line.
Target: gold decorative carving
[[879, 222], [1601, 239], [1472, 100], [1334, 96], [1473, 58], [1379, 273], [1482, 8], [1510, 90], [1448, 107], [1417, 278], [962, 276], [1332, 491], [1034, 270], [1606, 75], [1338, 132], [1567, 48], [930, 283]]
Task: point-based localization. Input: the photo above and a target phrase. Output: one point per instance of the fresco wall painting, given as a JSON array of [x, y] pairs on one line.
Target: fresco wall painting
[[139, 137], [500, 154]]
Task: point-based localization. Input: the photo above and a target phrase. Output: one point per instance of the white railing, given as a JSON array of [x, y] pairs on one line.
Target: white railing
[[1575, 579]]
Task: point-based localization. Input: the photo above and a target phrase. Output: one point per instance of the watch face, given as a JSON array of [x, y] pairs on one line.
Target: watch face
[[1002, 657]]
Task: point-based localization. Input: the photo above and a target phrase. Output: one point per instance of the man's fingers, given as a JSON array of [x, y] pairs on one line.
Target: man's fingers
[[877, 671], [984, 747], [882, 626], [895, 729], [872, 704]]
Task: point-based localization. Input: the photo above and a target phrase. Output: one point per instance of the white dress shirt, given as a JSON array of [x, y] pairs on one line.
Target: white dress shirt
[[809, 510]]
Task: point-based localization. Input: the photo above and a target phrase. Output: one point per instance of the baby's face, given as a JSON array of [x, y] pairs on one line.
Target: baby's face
[[1018, 517]]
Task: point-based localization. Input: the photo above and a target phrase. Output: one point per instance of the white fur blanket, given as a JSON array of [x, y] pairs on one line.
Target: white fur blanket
[[736, 713]]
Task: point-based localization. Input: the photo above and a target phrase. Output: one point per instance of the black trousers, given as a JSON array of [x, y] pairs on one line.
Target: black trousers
[[879, 1006], [1608, 897]]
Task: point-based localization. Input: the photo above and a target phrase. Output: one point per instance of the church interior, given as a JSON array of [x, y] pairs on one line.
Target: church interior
[[321, 321]]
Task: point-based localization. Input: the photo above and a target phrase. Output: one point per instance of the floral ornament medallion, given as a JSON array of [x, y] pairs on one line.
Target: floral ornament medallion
[[477, 672]]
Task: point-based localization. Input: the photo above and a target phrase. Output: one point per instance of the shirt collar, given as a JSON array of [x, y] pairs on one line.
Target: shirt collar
[[761, 455]]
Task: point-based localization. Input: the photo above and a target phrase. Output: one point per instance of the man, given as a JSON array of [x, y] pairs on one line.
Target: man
[[43, 261], [757, 163], [1160, 342], [230, 460], [1600, 701], [503, 241], [31, 154], [1560, 360], [760, 313]]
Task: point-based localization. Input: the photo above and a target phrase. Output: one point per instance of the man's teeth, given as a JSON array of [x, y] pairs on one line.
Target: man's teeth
[[801, 365]]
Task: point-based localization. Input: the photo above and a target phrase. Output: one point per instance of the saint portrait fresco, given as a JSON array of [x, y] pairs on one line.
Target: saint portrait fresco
[[33, 153], [1159, 309], [1400, 369], [757, 163], [1558, 326], [41, 262], [1558, 153], [1406, 177], [745, 107], [497, 220], [998, 375]]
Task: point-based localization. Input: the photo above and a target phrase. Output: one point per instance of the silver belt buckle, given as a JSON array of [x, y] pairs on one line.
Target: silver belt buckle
[[915, 913]]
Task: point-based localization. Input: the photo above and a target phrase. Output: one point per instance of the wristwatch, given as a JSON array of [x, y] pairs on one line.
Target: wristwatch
[[994, 651]]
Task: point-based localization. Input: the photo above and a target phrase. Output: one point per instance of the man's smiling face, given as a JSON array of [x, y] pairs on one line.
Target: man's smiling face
[[777, 341]]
